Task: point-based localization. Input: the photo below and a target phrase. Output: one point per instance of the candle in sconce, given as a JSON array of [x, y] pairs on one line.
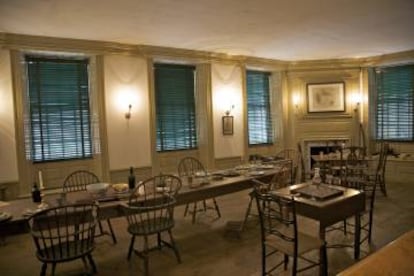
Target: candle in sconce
[[41, 186]]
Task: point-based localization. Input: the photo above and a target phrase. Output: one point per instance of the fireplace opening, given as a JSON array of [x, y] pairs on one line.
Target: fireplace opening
[[315, 146], [316, 150]]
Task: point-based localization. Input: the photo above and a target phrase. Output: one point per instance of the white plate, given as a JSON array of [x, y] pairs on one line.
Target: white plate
[[266, 167], [162, 189], [201, 174], [243, 167], [97, 189], [4, 216], [256, 173]]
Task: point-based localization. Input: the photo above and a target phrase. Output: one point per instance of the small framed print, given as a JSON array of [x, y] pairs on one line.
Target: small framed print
[[326, 97], [227, 125]]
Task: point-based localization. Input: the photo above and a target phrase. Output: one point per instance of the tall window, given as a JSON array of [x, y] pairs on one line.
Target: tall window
[[395, 98], [59, 115], [175, 107], [258, 108]]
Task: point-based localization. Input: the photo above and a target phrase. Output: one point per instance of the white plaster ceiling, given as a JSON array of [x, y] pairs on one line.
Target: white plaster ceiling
[[276, 29]]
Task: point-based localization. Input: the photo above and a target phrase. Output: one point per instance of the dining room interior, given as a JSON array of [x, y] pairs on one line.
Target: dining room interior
[[238, 103]]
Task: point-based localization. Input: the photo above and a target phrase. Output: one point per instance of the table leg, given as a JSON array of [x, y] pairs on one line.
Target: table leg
[[357, 236], [322, 253]]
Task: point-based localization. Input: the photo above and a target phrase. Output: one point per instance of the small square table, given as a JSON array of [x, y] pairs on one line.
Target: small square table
[[345, 204]]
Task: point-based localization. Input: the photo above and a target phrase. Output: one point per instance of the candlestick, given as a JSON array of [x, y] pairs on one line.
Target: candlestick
[[41, 186]]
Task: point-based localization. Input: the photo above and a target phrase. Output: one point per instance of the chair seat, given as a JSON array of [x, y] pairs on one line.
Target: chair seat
[[305, 243], [73, 250], [151, 226]]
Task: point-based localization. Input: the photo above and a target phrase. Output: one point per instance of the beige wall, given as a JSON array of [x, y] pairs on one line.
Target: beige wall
[[8, 154], [126, 82], [227, 90]]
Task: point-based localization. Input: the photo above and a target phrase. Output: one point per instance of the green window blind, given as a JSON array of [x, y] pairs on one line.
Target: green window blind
[[395, 97], [59, 115], [175, 107], [258, 108]]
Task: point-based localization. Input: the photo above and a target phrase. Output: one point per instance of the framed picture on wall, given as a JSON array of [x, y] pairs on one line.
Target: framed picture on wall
[[227, 125], [326, 97]]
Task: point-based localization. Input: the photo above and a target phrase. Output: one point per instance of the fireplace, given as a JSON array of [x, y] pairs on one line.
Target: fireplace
[[317, 145]]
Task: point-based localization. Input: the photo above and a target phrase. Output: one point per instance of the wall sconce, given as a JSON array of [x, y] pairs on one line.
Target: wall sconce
[[356, 107], [295, 101], [357, 101], [228, 111], [128, 114]]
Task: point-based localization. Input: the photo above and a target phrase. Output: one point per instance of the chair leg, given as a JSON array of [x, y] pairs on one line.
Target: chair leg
[[85, 264], [43, 269], [174, 246], [217, 208], [295, 265], [194, 212], [53, 268], [324, 262], [159, 240], [111, 231], [205, 205], [100, 227], [382, 186], [285, 261], [186, 209], [131, 247], [264, 260], [249, 207], [145, 256], [370, 226], [92, 263]]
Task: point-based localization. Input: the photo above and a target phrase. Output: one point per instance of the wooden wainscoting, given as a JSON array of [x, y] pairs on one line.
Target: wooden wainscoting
[[227, 162], [169, 160], [121, 176]]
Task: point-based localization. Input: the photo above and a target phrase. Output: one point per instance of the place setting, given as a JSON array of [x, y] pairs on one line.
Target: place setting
[[5, 216], [31, 211]]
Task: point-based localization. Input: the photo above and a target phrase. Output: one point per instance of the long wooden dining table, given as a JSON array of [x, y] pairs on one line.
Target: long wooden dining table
[[110, 204]]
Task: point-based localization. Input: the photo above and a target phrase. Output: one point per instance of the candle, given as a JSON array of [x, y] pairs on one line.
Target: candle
[[41, 180]]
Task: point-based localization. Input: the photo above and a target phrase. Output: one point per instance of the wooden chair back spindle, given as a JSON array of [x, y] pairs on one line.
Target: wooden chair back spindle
[[78, 180], [189, 166]]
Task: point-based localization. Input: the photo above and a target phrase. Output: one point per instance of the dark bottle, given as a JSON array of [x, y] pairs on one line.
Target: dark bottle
[[36, 196], [131, 179]]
